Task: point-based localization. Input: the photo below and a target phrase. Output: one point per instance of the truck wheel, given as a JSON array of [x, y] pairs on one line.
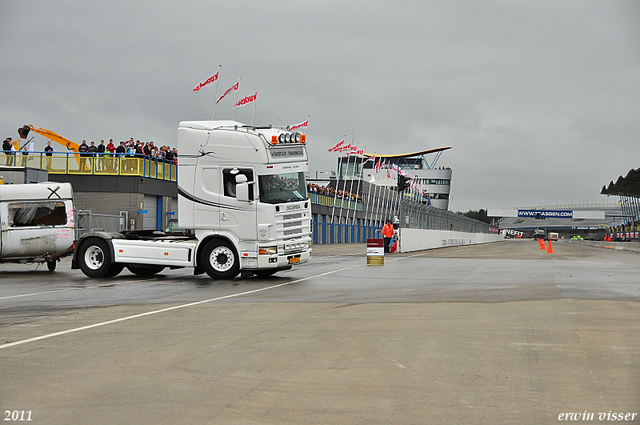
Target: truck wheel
[[51, 265], [220, 260], [94, 258], [144, 269], [114, 270]]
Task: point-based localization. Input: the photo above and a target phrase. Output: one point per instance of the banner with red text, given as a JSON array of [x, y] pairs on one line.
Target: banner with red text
[[337, 146], [302, 124], [246, 100], [233, 88], [206, 82]]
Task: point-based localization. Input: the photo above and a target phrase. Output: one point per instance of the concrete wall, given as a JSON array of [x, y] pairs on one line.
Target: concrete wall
[[418, 240], [22, 175], [622, 246]]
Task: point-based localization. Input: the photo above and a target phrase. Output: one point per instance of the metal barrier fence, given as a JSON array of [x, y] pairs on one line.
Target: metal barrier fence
[[330, 201], [414, 215], [95, 164], [86, 221], [355, 222]]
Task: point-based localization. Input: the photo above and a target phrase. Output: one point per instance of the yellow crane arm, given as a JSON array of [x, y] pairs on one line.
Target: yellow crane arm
[[54, 137], [72, 146]]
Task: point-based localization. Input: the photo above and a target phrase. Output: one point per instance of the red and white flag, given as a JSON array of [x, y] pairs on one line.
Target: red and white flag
[[234, 87], [355, 151], [337, 146], [207, 81], [246, 100], [302, 124]]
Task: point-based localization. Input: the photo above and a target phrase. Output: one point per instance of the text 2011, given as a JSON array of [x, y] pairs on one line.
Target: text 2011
[[17, 415]]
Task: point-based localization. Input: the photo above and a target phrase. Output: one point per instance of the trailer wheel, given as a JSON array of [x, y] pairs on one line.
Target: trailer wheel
[[220, 260], [144, 269], [51, 265], [94, 258]]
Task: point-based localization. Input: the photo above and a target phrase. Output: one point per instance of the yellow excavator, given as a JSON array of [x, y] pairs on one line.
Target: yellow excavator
[[54, 137]]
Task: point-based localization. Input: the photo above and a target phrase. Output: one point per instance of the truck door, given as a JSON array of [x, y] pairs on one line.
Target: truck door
[[239, 218], [206, 202]]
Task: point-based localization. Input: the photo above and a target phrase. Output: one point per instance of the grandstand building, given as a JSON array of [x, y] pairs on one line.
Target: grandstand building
[[431, 185]]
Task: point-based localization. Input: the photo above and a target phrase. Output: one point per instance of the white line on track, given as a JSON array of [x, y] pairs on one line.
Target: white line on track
[[164, 310], [72, 289], [33, 294], [40, 293]]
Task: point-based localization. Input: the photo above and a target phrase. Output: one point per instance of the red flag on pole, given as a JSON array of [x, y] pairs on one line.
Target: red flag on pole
[[246, 100], [234, 87], [206, 81], [302, 124], [337, 146]]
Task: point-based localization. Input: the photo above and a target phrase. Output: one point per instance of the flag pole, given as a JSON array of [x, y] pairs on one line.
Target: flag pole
[[353, 220], [234, 108], [344, 186], [378, 204], [254, 105], [335, 197], [368, 204], [346, 219], [215, 96]]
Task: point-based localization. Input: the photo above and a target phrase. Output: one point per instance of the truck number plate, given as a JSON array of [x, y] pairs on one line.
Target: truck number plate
[[294, 260]]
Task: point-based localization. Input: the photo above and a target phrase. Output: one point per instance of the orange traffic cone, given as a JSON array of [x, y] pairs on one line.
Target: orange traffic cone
[[542, 244], [550, 251]]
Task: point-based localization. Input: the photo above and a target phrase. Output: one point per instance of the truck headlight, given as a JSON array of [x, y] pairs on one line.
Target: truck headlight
[[297, 246], [269, 250]]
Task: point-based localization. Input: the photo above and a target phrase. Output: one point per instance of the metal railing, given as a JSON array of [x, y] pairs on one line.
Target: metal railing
[[95, 164], [336, 225], [330, 201], [415, 215], [87, 221]]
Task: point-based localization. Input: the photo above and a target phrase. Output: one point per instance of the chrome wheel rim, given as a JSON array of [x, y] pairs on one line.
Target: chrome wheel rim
[[94, 257], [222, 259]]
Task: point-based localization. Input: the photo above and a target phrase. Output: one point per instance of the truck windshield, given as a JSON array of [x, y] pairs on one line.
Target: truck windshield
[[279, 188]]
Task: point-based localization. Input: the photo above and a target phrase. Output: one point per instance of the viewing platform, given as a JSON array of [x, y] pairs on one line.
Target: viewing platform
[[95, 164]]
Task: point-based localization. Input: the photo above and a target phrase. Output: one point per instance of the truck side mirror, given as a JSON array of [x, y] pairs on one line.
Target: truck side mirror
[[242, 188]]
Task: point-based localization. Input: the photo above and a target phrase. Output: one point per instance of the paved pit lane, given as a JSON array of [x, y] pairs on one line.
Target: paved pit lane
[[500, 333]]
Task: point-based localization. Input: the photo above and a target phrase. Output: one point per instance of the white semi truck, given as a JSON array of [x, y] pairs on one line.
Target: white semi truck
[[37, 223], [241, 191]]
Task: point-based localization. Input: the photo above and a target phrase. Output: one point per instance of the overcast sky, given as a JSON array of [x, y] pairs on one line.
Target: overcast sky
[[540, 100]]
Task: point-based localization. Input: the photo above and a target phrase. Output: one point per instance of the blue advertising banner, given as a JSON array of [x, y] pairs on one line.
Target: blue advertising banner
[[545, 213]]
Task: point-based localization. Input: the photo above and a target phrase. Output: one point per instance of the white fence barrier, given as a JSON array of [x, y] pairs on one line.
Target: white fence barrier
[[418, 239]]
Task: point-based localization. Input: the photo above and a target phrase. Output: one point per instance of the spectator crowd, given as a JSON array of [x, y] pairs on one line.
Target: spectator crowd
[[130, 149], [105, 155], [331, 191]]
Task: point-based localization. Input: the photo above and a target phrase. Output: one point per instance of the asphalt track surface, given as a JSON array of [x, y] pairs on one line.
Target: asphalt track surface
[[501, 333]]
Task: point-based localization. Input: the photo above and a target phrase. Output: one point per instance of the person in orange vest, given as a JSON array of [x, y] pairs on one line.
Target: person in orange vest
[[387, 234]]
